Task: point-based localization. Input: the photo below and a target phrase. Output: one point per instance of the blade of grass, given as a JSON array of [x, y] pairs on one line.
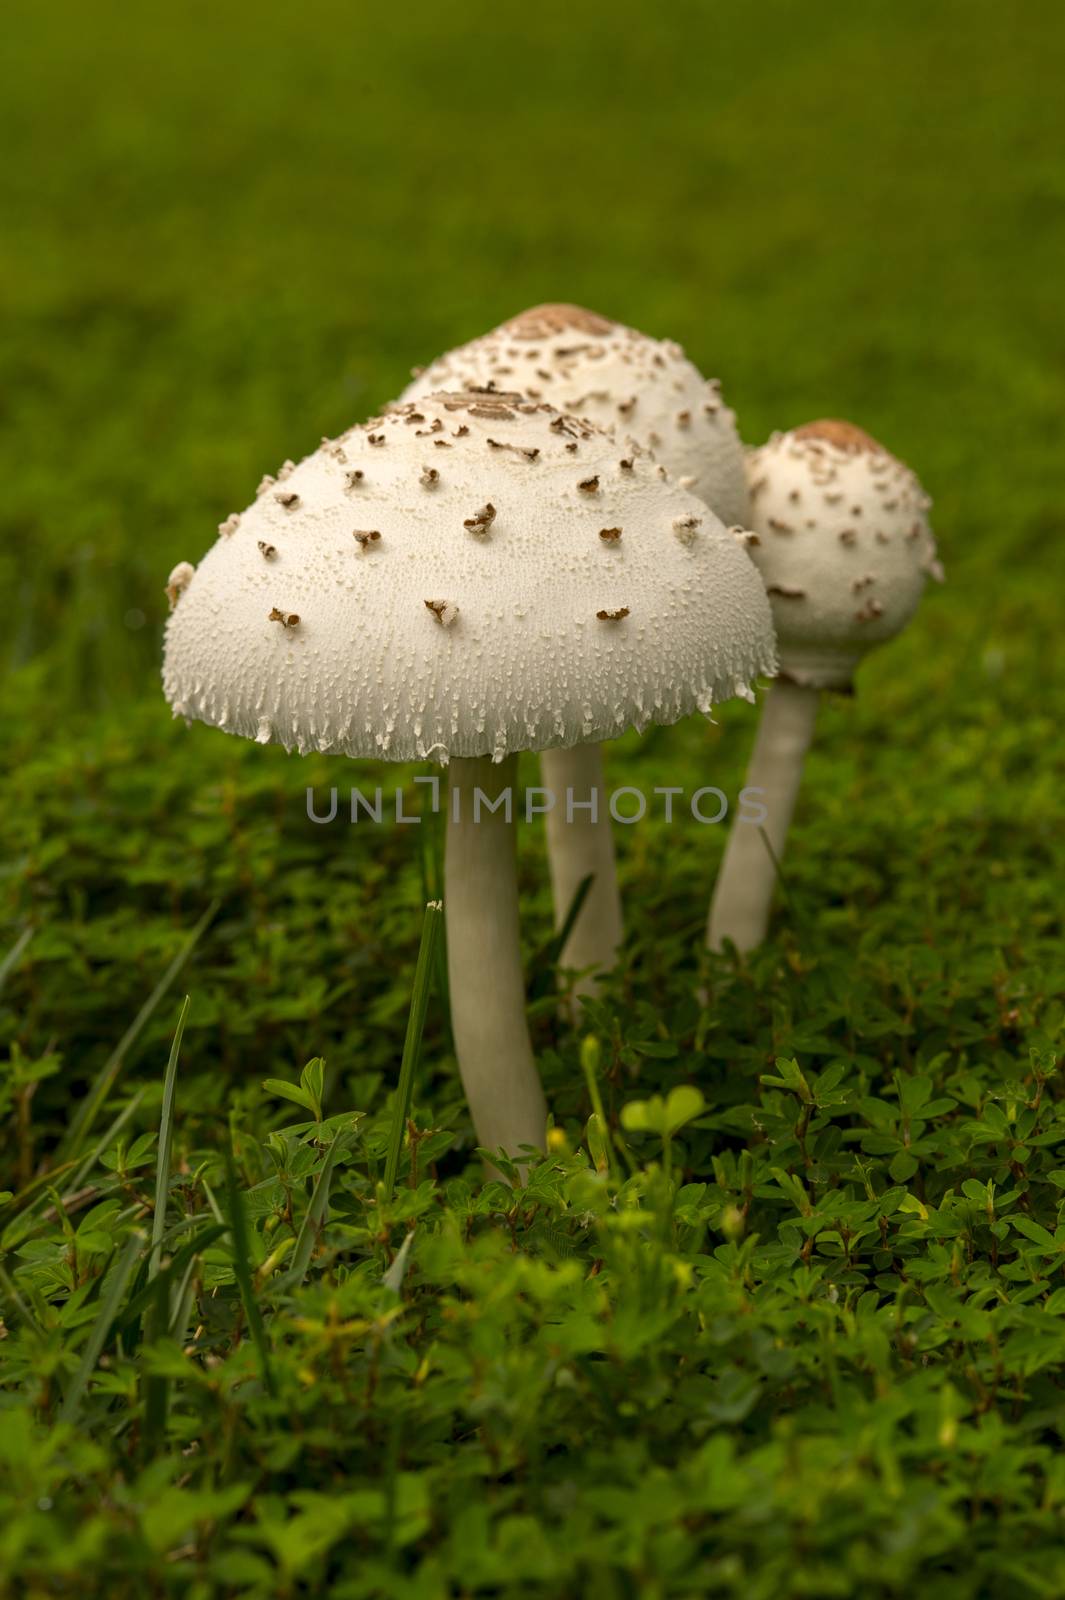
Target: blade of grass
[[419, 1000], [545, 961], [14, 955], [166, 1139], [141, 1298], [238, 1234], [432, 841], [89, 1109], [109, 1304], [155, 1388]]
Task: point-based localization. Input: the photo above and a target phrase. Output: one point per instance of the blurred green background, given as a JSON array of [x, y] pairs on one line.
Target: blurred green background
[[232, 229]]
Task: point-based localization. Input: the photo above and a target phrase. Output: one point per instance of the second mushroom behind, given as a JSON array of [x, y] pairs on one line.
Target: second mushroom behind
[[652, 398]]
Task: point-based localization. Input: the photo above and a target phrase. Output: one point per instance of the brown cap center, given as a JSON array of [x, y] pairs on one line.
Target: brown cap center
[[844, 435], [543, 322]]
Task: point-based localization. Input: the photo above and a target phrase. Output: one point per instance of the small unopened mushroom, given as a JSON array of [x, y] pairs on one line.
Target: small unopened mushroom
[[846, 580], [178, 581], [469, 651]]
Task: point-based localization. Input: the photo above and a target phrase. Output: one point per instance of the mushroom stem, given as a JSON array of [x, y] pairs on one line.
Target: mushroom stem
[[484, 957], [743, 894], [579, 843]]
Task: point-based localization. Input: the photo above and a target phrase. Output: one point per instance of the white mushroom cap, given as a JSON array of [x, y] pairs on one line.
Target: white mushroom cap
[[843, 543], [643, 388], [474, 575]]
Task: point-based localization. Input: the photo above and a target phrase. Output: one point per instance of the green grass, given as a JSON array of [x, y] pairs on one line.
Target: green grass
[[810, 1341]]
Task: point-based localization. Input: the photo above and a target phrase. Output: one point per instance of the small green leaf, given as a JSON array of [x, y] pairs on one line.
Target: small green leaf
[[290, 1091], [312, 1082], [1033, 1230], [903, 1166]]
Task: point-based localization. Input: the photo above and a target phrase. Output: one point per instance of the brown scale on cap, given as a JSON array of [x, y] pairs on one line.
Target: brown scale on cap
[[528, 453], [544, 322], [444, 612], [497, 405], [610, 535], [613, 616], [287, 619], [686, 527], [481, 520], [843, 435]]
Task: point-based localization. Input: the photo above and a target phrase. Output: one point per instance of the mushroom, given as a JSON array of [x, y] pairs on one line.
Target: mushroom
[[590, 366], [649, 394], [844, 546], [467, 651]]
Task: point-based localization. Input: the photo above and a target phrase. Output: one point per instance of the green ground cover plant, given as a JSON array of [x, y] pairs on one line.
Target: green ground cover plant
[[782, 1310]]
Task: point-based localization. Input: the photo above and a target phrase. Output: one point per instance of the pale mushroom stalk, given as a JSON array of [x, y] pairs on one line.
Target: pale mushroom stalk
[[580, 843], [841, 537], [485, 975], [743, 893]]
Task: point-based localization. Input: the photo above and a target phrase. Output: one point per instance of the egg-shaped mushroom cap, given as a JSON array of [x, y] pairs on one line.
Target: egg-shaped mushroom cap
[[642, 388], [843, 543], [468, 576]]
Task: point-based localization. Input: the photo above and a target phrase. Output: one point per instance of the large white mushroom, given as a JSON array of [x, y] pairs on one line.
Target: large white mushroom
[[840, 535], [462, 579], [643, 389]]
